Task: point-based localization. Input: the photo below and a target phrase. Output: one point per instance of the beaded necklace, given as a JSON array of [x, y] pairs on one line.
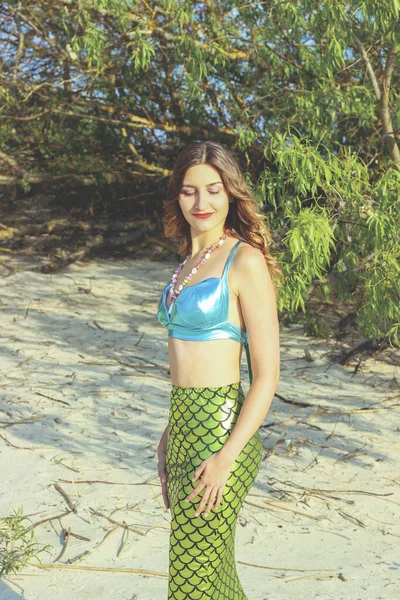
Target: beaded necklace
[[174, 292]]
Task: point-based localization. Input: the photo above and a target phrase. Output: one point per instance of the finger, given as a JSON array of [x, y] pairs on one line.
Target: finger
[[219, 497], [162, 473], [165, 494], [162, 470], [195, 492], [199, 470], [210, 501], [164, 491], [203, 501]]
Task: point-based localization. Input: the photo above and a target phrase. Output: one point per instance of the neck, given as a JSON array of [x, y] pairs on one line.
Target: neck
[[202, 241]]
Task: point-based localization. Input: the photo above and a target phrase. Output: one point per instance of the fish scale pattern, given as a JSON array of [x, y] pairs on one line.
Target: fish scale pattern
[[202, 549]]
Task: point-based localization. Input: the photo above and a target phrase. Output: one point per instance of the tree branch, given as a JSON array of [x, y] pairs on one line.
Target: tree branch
[[389, 137], [383, 97], [370, 70]]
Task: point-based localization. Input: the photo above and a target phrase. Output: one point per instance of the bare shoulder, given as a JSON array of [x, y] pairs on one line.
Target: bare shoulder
[[249, 265], [246, 252], [249, 258]]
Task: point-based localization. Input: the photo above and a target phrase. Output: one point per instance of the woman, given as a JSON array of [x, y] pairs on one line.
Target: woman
[[221, 294]]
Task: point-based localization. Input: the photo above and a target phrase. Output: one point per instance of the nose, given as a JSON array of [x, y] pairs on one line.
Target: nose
[[201, 202]]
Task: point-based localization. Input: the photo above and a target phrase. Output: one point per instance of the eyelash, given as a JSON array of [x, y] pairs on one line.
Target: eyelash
[[187, 194]]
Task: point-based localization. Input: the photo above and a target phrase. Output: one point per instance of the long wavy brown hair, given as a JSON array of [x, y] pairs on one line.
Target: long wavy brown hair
[[243, 216]]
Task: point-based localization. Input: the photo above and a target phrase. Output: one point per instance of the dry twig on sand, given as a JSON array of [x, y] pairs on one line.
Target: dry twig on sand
[[67, 536], [64, 514], [100, 569], [68, 500], [99, 514]]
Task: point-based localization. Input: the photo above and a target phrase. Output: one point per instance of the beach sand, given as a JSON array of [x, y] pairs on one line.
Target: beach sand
[[84, 398]]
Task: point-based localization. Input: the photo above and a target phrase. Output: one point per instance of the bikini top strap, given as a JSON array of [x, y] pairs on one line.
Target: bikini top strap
[[230, 258]]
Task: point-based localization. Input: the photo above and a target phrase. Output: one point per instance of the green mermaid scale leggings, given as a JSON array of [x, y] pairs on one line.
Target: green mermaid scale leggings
[[202, 549]]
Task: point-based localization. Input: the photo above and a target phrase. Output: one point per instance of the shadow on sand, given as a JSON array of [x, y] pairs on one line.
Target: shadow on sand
[[6, 593]]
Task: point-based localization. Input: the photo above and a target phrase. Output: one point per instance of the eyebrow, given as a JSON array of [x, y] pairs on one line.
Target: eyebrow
[[207, 184]]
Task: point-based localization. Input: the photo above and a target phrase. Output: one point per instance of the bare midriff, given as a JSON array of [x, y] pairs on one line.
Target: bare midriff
[[209, 363]]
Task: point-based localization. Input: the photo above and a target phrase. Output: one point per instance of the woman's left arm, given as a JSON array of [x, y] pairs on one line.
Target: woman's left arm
[[259, 308]]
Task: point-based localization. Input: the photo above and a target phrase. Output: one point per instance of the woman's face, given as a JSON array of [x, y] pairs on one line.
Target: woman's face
[[203, 192]]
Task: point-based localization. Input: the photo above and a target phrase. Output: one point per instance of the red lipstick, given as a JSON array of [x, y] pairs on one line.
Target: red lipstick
[[203, 215]]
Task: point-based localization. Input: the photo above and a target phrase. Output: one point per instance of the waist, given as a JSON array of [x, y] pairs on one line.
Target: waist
[[227, 386], [207, 363], [220, 395]]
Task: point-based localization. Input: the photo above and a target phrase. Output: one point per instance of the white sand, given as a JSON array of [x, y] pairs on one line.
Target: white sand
[[322, 519]]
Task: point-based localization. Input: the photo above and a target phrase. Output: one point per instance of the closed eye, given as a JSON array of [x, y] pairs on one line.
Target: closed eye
[[210, 191]]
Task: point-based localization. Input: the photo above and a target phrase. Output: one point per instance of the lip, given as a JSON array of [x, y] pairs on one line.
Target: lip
[[203, 215]]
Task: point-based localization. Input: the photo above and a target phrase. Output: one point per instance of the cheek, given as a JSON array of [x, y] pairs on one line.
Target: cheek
[[221, 202], [183, 204]]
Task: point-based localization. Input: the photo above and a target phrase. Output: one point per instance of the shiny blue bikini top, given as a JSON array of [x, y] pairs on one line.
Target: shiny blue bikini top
[[200, 312]]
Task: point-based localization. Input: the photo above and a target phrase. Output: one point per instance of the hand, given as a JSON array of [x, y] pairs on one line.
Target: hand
[[214, 472], [162, 471]]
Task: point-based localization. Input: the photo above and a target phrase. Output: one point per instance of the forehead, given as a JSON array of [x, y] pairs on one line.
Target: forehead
[[203, 174]]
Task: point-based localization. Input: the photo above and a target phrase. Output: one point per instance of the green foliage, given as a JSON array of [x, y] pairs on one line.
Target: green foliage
[[115, 88], [309, 240], [17, 543]]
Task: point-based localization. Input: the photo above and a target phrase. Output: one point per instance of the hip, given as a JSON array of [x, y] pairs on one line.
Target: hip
[[207, 405], [202, 418]]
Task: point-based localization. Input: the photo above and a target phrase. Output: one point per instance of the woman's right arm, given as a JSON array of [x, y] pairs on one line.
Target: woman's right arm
[[162, 472]]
